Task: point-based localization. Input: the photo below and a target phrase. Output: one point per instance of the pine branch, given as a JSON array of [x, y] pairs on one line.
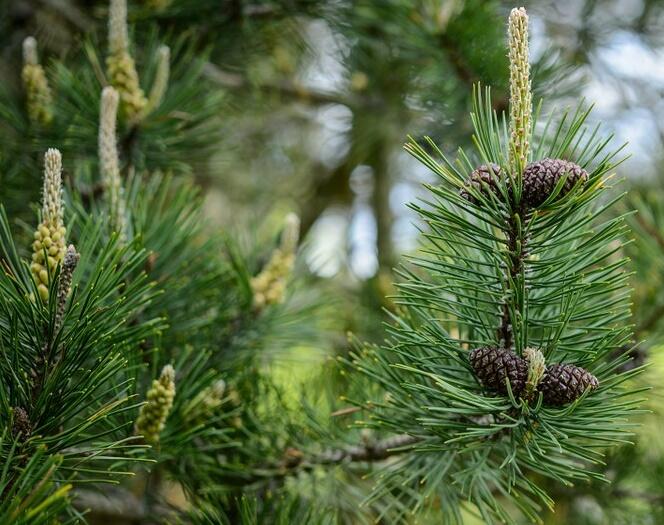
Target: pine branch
[[376, 451], [649, 497], [69, 11], [288, 88], [570, 307], [516, 244], [295, 461], [121, 504]]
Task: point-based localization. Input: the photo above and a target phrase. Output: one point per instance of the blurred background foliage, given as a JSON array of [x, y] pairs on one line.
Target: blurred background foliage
[[304, 105]]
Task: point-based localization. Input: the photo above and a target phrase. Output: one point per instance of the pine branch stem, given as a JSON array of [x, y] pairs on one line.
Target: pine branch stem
[[515, 279], [370, 451], [288, 88], [376, 451], [296, 461], [651, 498], [121, 505]]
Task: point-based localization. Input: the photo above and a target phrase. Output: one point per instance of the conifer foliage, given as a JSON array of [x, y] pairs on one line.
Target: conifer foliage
[[130, 334], [135, 341], [501, 363]]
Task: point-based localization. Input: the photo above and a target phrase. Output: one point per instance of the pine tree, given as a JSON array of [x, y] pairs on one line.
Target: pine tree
[[138, 358]]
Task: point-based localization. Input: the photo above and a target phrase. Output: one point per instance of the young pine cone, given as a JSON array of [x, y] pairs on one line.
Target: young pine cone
[[152, 417], [21, 424], [563, 383], [540, 179], [493, 365], [483, 179]]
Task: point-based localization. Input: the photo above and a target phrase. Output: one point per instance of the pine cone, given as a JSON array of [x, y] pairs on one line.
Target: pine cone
[[540, 179], [484, 178], [563, 383], [493, 365], [21, 423]]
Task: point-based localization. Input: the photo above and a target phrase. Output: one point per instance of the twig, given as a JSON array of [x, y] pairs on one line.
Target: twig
[[71, 13], [653, 499], [121, 504], [295, 460], [516, 245], [260, 11], [465, 73], [289, 88], [345, 411], [87, 193], [376, 451]]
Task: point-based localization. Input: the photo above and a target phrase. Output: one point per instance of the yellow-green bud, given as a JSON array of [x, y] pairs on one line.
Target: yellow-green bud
[[120, 65], [49, 246], [160, 83], [39, 100], [359, 81], [206, 403], [269, 286], [290, 235], [152, 417], [109, 163], [520, 90], [536, 369]]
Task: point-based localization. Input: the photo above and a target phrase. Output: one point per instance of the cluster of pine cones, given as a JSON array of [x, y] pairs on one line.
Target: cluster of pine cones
[[539, 180], [561, 383]]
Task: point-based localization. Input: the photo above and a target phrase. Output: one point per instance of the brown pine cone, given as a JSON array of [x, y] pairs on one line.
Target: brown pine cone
[[21, 423], [563, 383], [540, 179], [493, 365], [484, 178]]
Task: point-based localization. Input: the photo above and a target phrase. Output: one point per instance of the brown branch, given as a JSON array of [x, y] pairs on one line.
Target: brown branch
[[457, 60], [463, 70], [649, 497], [285, 87], [330, 187], [295, 460], [120, 504], [261, 11], [370, 451], [345, 411], [87, 193], [516, 246], [71, 13]]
